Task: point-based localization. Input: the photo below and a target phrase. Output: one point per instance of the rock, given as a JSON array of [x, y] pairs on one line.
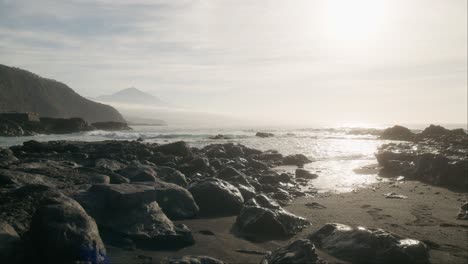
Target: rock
[[10, 129], [264, 134], [261, 216], [132, 211], [219, 136], [305, 174], [62, 232], [297, 159], [192, 260], [369, 245], [179, 148], [63, 126], [19, 178], [216, 197], [258, 165], [398, 133], [393, 195], [108, 164], [463, 214], [10, 245], [7, 156], [111, 126], [298, 252], [139, 173], [197, 165], [171, 175]]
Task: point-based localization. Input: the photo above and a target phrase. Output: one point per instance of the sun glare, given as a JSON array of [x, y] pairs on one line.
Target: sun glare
[[353, 20]]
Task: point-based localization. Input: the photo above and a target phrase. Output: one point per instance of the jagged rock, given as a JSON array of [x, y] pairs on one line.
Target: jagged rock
[[262, 216], [305, 174], [216, 197], [172, 175], [132, 211], [298, 252], [264, 134], [368, 245], [192, 260], [463, 214], [139, 173], [397, 133], [258, 165], [10, 245], [297, 159], [179, 148], [62, 232]]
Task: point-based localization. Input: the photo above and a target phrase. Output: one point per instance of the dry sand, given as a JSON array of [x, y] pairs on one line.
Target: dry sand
[[428, 214]]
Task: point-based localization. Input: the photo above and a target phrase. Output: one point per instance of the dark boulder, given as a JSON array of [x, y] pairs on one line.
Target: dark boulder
[[7, 156], [397, 133], [10, 245], [305, 174], [139, 173], [264, 134], [10, 129], [297, 159], [19, 178], [463, 213], [298, 252], [179, 148], [191, 260], [262, 216], [172, 175], [62, 232], [216, 197], [366, 245]]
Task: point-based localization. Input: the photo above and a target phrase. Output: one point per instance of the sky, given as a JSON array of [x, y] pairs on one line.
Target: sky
[[297, 62]]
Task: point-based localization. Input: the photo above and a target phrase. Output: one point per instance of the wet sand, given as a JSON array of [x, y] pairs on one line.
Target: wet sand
[[428, 214]]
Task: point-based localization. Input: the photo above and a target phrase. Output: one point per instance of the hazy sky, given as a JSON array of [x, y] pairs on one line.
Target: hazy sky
[[301, 61]]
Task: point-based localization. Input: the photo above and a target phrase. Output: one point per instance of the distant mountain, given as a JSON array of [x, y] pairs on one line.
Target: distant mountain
[[23, 91], [130, 96]]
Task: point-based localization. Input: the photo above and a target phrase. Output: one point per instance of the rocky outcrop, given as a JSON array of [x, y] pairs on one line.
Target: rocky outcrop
[[11, 129], [298, 252], [263, 217], [368, 245], [397, 133], [264, 134], [216, 197]]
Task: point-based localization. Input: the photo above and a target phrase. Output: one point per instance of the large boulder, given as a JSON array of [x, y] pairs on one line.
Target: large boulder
[[305, 174], [216, 197], [62, 232], [192, 260], [397, 133], [298, 252], [6, 156], [172, 175], [10, 245], [139, 173], [368, 245], [264, 217], [264, 134], [10, 129], [296, 159], [178, 148], [463, 213], [132, 211]]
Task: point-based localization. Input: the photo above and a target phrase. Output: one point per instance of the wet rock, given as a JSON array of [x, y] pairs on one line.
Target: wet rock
[[18, 178], [192, 260], [297, 252], [393, 195], [62, 232], [262, 216], [305, 174], [397, 133], [216, 197], [6, 156], [368, 245], [219, 136], [463, 214], [264, 134], [108, 164], [297, 159], [172, 175], [10, 129], [179, 148], [10, 245], [258, 165], [139, 173]]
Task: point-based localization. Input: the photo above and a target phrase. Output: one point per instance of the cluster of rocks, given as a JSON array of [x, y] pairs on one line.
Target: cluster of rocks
[[436, 155], [47, 125], [62, 201]]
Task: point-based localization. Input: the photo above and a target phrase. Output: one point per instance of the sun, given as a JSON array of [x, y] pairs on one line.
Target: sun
[[349, 20]]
